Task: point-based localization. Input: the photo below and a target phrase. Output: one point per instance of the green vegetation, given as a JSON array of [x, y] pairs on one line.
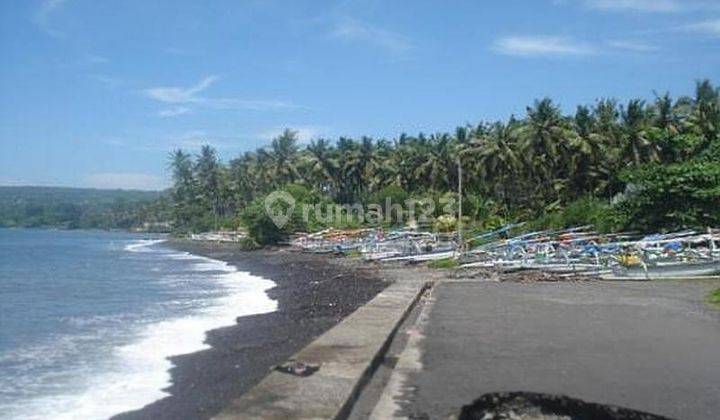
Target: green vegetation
[[643, 166], [445, 263], [80, 208], [587, 210], [248, 244], [714, 297]]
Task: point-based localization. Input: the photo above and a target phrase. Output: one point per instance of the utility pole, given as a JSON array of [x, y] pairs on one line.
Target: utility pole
[[459, 221]]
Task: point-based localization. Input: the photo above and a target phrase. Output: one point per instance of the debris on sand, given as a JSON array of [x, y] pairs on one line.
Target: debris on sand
[[534, 276], [295, 368], [520, 276]]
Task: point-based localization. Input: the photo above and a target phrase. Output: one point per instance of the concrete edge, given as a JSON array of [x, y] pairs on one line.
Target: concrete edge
[[379, 356], [348, 354], [409, 361]]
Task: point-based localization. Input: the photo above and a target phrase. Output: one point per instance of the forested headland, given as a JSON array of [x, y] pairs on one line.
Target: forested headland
[[83, 208]]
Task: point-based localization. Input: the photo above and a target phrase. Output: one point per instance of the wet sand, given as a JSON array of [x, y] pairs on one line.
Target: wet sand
[[313, 292]]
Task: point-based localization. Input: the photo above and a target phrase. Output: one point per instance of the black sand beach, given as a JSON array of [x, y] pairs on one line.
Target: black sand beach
[[313, 292]]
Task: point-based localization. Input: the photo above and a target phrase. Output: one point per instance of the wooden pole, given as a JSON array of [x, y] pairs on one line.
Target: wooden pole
[[459, 222]]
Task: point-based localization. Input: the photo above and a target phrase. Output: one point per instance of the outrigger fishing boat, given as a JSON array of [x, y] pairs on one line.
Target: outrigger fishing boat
[[332, 240], [667, 270], [411, 246], [685, 254], [376, 245], [574, 251]]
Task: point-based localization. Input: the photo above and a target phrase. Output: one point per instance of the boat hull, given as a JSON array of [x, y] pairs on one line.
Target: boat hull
[[672, 270]]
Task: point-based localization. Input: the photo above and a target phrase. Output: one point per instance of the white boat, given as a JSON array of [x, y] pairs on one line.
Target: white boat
[[669, 270], [430, 256], [380, 255]]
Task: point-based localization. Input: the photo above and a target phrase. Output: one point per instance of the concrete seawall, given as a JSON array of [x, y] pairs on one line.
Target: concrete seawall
[[347, 354]]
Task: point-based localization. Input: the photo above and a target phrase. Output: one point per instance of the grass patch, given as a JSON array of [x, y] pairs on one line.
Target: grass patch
[[444, 263], [353, 254], [714, 297], [247, 244]]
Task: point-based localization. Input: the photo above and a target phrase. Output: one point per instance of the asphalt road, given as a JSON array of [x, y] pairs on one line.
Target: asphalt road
[[650, 346]]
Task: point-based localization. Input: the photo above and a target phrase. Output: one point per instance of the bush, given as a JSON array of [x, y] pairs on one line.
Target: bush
[[584, 211], [671, 197], [264, 231], [445, 223], [248, 244], [394, 196], [259, 225]]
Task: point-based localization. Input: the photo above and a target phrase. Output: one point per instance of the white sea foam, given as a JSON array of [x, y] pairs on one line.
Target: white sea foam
[[142, 245], [136, 374], [213, 266]]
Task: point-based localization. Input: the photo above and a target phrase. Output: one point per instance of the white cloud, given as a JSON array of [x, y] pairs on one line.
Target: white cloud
[[45, 11], [173, 112], [528, 46], [632, 45], [126, 180], [305, 133], [91, 60], [113, 141], [195, 139], [554, 46], [255, 105], [110, 81], [636, 5], [708, 27], [180, 95], [48, 6], [353, 30], [178, 51], [191, 139], [647, 6], [184, 97]]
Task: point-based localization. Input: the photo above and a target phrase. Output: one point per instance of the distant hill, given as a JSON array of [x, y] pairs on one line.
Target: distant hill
[[74, 208]]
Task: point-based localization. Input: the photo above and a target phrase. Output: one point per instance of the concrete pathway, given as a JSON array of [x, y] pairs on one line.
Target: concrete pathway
[[650, 346]]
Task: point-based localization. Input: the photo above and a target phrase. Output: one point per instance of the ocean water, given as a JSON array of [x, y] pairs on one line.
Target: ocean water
[[88, 319]]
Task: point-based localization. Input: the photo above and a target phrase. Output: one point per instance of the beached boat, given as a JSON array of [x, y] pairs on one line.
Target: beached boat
[[380, 255], [680, 269], [429, 256], [684, 254]]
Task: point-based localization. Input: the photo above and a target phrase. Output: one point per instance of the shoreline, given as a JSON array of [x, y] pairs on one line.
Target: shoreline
[[313, 292]]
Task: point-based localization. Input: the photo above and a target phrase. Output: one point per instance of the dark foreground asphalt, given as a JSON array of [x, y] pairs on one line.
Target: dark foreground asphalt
[[647, 346]]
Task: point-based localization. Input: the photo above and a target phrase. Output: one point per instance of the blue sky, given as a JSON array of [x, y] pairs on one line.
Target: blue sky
[[96, 93]]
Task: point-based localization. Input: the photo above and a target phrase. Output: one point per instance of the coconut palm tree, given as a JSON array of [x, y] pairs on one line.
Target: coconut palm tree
[[587, 152], [242, 179], [283, 150], [637, 146], [495, 160], [522, 165], [545, 140], [209, 181], [436, 167], [705, 117], [322, 166], [184, 187]]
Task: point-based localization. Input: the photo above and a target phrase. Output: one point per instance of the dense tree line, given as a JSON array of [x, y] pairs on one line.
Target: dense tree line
[[640, 165]]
